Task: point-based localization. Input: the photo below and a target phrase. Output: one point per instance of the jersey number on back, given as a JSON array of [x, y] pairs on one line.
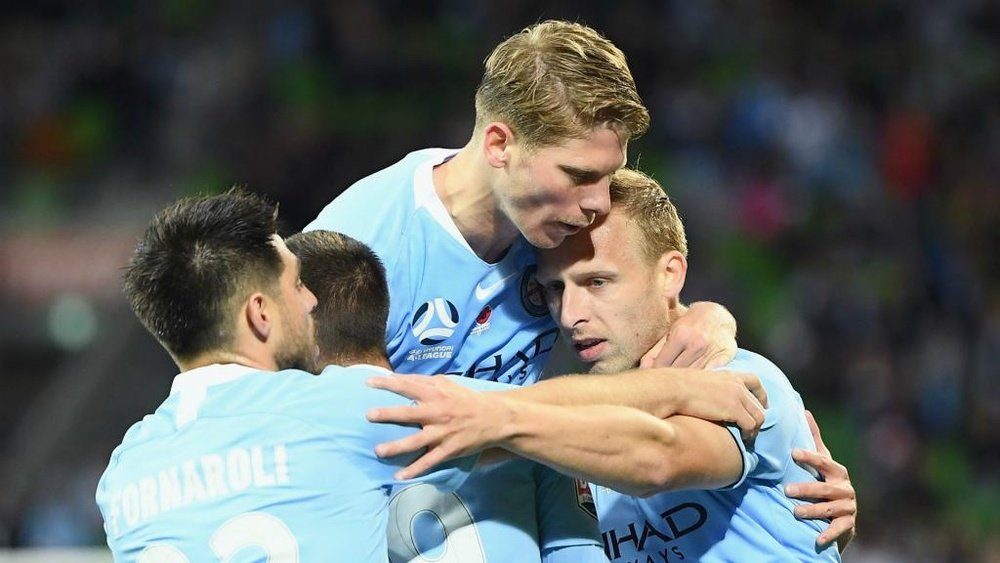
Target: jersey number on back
[[451, 535], [251, 529]]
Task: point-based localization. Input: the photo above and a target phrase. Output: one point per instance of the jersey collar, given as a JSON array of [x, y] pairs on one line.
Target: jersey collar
[[207, 376]]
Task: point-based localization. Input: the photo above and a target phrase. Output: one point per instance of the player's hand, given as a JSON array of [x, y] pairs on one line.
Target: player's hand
[[456, 421], [834, 497], [721, 396], [703, 337]]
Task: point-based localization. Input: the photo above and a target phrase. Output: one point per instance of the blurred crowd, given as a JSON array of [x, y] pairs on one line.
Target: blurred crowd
[[837, 166]]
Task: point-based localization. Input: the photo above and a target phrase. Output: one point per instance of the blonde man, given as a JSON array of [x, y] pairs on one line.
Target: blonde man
[[457, 229], [614, 288]]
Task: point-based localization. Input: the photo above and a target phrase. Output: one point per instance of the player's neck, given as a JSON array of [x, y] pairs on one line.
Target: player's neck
[[374, 359], [228, 357], [463, 185]]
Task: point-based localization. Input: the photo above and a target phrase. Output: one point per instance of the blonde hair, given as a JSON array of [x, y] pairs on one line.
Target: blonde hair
[[559, 80], [651, 213]]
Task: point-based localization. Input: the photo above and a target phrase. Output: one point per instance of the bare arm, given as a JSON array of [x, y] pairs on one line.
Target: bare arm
[[618, 447], [731, 397], [625, 449]]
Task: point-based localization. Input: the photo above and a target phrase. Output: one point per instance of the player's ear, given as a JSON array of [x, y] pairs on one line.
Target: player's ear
[[259, 313], [498, 139], [672, 267]]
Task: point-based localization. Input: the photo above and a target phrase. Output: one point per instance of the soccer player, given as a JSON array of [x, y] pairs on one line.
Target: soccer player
[[250, 456], [513, 511], [614, 288], [457, 228]]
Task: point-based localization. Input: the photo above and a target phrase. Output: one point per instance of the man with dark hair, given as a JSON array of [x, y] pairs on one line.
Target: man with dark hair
[[248, 456], [353, 296], [193, 263]]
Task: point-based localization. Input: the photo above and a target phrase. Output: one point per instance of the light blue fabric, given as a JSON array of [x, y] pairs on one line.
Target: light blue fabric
[[752, 520], [256, 464]]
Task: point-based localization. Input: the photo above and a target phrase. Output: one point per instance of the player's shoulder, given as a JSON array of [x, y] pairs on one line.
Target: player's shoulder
[[762, 367], [773, 379], [385, 194]]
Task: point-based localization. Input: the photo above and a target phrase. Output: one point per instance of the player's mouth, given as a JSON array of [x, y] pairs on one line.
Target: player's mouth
[[569, 229], [589, 349]]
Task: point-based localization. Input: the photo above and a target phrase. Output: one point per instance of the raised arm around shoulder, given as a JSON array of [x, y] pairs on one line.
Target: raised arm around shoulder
[[625, 449], [719, 396], [619, 447], [703, 336]]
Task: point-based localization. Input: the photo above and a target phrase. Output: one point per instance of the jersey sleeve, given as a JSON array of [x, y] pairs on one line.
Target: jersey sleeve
[[770, 453], [567, 519]]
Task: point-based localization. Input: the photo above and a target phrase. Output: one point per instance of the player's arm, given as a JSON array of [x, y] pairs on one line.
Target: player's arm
[[720, 396], [833, 497], [626, 450], [618, 447]]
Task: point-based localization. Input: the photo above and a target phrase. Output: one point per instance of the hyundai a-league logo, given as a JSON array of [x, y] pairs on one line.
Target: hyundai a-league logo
[[435, 321]]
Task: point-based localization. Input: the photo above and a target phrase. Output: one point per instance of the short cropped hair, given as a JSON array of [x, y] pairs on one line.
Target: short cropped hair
[[196, 262], [349, 282], [650, 212], [559, 80]]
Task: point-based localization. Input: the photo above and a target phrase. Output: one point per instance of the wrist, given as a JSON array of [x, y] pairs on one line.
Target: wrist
[[509, 420], [669, 395]]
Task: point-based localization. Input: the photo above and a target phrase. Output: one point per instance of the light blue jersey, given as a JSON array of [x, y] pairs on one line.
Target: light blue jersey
[[239, 464], [449, 311], [751, 520], [513, 511]]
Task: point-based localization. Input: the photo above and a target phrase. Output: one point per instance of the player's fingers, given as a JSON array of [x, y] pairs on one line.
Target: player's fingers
[[672, 348], [423, 464], [820, 490], [817, 437], [717, 360], [409, 414], [751, 420], [833, 509], [411, 443], [692, 356], [417, 468], [648, 359], [837, 528], [830, 469], [753, 384]]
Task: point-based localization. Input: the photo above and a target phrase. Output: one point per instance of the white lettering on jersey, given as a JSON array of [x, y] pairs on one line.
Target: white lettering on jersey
[[196, 480]]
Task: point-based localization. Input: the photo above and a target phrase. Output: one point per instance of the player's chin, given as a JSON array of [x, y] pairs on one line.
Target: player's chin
[[548, 236]]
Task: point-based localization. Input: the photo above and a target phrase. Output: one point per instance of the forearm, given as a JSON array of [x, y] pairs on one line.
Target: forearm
[[652, 391], [620, 448]]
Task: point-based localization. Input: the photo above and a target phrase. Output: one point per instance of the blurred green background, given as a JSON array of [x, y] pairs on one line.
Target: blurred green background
[[837, 166]]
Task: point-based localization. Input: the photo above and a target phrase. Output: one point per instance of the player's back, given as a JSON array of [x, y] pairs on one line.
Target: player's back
[[263, 465], [516, 510]]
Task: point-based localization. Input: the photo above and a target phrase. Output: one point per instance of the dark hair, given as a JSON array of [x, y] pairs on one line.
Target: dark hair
[[196, 262], [348, 280]]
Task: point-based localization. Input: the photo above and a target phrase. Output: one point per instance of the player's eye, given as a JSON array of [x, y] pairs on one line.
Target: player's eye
[[598, 282]]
